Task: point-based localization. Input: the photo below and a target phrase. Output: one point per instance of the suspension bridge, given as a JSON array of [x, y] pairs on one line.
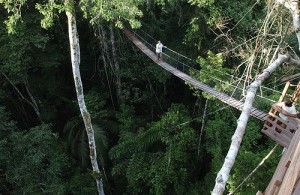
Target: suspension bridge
[[286, 179], [136, 39]]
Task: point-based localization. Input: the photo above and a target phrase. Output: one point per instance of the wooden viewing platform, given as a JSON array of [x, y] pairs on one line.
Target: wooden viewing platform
[[286, 179]]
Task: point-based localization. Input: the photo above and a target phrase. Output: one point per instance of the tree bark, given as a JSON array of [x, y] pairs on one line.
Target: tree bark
[[75, 59], [293, 6], [116, 63], [223, 174]]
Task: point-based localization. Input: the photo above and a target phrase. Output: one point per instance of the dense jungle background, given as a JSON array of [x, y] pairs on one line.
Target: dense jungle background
[[154, 133]]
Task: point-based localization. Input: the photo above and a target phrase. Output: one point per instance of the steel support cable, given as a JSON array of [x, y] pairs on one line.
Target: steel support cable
[[255, 169], [167, 47], [136, 34], [185, 57], [169, 50], [165, 53], [232, 76], [179, 62], [240, 79], [221, 80], [244, 15], [223, 97], [236, 86], [148, 34], [181, 55], [196, 118]]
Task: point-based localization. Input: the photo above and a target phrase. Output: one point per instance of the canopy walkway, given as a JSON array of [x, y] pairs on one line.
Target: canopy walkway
[[221, 96], [286, 179]]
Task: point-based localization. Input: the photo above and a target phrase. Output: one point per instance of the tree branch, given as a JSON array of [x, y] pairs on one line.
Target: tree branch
[[32, 103], [223, 174], [293, 6]]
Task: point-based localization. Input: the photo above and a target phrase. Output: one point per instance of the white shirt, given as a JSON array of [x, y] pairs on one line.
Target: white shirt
[[291, 110], [159, 47]]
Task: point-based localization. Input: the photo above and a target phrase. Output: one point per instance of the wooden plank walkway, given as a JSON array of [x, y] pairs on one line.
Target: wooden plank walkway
[[221, 96], [285, 180]]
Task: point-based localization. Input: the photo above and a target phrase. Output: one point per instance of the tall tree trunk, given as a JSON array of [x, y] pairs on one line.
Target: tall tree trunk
[[293, 6], [223, 174], [75, 59], [116, 63]]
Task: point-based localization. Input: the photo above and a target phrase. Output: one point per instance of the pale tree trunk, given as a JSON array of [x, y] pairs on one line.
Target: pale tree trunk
[[75, 59], [236, 139], [293, 6]]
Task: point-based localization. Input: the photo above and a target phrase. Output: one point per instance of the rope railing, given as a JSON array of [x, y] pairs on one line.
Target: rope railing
[[167, 47], [176, 59], [167, 57], [154, 41], [223, 97]]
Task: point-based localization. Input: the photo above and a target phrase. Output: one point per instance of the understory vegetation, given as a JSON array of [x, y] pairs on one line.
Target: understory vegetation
[[154, 133]]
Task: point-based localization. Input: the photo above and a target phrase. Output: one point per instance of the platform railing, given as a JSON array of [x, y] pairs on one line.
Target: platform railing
[[280, 130]]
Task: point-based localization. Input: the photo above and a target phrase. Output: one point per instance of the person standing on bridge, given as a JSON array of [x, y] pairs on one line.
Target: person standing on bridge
[[158, 49]]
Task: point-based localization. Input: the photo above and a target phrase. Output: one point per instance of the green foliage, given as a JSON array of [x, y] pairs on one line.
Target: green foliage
[[205, 15], [214, 11], [249, 155], [118, 10], [221, 13], [157, 158], [7, 126], [74, 130], [218, 131], [149, 157], [26, 51], [35, 161], [49, 11], [78, 142], [196, 33], [81, 184], [158, 74], [14, 9], [96, 104], [143, 89], [212, 72], [260, 179], [247, 15], [126, 118]]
